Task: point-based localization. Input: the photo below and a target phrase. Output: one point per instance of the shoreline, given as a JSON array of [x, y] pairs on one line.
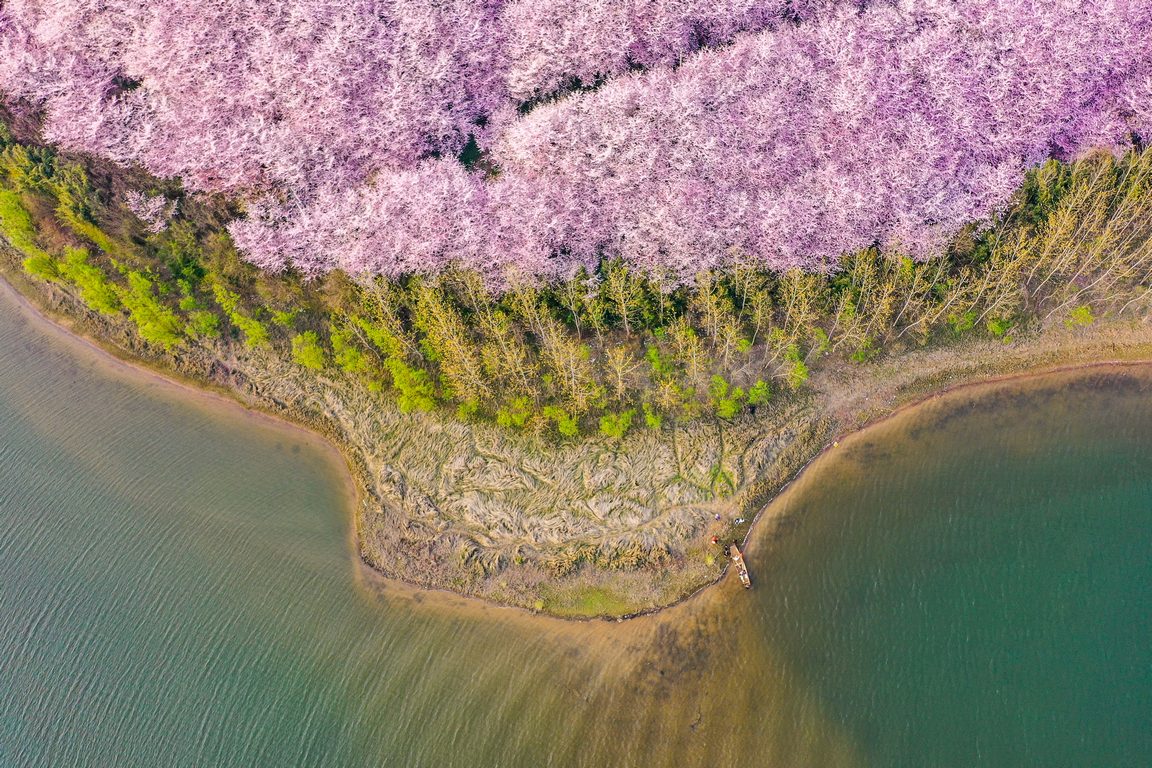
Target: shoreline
[[842, 409], [115, 359], [904, 409]]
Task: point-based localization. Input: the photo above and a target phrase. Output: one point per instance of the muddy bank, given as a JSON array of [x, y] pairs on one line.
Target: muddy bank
[[584, 529]]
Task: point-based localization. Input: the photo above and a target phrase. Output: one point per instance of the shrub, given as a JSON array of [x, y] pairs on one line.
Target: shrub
[[17, 225], [306, 351], [1080, 317], [255, 334], [345, 353], [43, 267], [797, 370], [156, 323], [565, 423], [203, 324], [759, 393], [616, 425], [652, 418], [515, 414], [999, 327], [413, 390], [93, 286], [726, 400]]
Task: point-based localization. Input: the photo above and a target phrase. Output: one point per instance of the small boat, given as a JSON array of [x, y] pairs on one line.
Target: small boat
[[741, 569]]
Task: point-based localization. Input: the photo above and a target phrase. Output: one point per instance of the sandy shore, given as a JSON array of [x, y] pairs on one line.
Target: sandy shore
[[518, 521]]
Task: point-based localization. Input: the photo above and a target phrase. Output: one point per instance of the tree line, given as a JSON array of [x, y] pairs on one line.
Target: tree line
[[603, 352]]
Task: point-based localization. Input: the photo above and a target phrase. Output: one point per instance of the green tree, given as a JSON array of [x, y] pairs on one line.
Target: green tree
[[18, 228], [345, 352], [308, 352], [156, 322], [1080, 317], [652, 417], [797, 370], [615, 425], [203, 324], [514, 413], [93, 286], [43, 267], [623, 291], [566, 425], [726, 400], [759, 393], [255, 334], [414, 392]]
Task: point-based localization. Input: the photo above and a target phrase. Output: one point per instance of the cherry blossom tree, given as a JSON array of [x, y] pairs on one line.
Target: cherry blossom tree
[[785, 132], [154, 211]]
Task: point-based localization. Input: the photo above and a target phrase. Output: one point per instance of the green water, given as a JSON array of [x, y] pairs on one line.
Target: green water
[[968, 585]]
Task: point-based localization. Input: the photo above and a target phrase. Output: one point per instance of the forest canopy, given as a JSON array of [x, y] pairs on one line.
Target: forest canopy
[[535, 137]]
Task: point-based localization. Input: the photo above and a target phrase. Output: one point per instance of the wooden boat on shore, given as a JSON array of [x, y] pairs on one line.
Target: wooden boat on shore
[[741, 569]]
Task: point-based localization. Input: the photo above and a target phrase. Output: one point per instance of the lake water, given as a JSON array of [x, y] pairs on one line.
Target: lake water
[[966, 585]]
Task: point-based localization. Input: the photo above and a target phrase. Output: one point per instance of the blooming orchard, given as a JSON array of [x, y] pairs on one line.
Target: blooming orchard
[[782, 132]]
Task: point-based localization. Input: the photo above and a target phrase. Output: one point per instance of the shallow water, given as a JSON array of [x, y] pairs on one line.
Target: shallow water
[[968, 584]]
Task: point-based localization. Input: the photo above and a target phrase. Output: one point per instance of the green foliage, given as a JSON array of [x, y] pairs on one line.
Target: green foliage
[[20, 232], [285, 318], [515, 414], [93, 286], [759, 393], [615, 425], [961, 322], [652, 419], [565, 423], [660, 365], [720, 481], [796, 372], [381, 337], [999, 327], [1080, 317], [255, 334], [43, 267], [156, 323], [28, 169], [865, 352], [307, 351], [726, 399], [594, 350], [17, 226], [178, 249], [36, 170], [468, 410], [74, 195], [345, 352], [414, 392], [1044, 188], [203, 324]]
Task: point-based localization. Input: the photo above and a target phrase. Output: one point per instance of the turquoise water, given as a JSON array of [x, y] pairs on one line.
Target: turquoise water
[[966, 585], [985, 589]]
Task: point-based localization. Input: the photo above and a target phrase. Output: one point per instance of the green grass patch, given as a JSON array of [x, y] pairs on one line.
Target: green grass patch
[[589, 601]]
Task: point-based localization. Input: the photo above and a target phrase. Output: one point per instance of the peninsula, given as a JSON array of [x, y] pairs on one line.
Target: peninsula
[[576, 293]]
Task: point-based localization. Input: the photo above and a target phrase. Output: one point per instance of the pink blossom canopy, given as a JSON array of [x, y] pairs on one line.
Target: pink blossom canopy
[[786, 132]]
